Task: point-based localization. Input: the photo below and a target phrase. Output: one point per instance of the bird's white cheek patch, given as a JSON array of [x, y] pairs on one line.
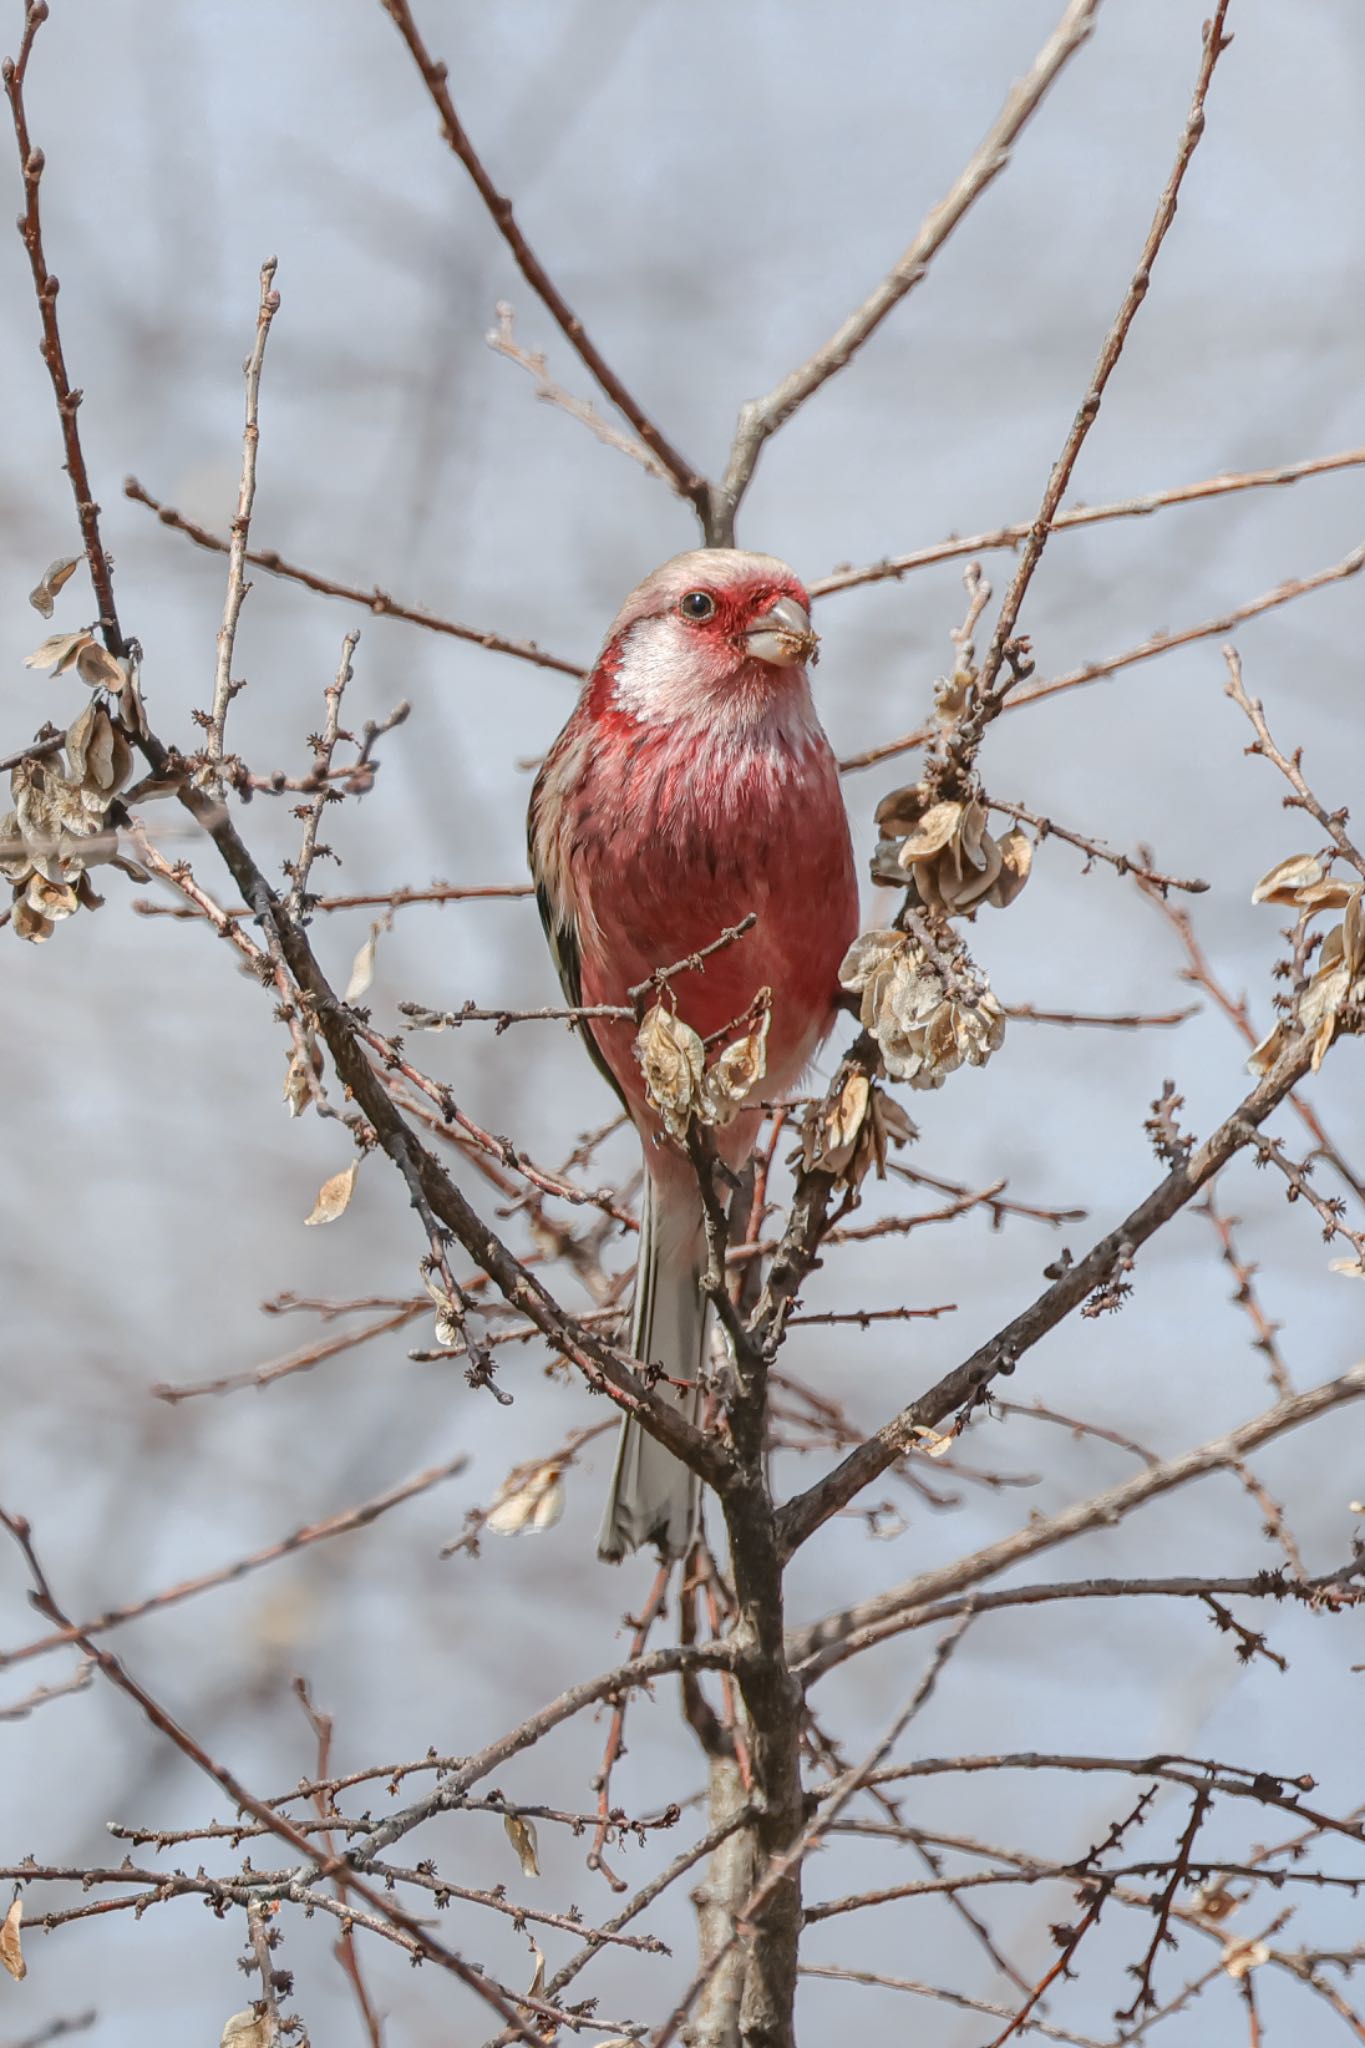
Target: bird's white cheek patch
[[657, 674]]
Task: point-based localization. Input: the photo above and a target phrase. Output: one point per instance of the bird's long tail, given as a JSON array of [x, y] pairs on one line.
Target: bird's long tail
[[654, 1498]]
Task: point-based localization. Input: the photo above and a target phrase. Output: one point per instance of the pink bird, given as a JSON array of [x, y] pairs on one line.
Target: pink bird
[[692, 785]]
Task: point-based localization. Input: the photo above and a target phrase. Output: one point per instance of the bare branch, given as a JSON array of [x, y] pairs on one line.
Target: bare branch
[[967, 1382], [340, 1524], [687, 481], [377, 601], [896, 566], [760, 419], [1110, 350], [1146, 650], [224, 688], [502, 340], [820, 1647]]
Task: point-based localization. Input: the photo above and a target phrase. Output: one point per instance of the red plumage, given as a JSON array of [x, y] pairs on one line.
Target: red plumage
[[691, 786]]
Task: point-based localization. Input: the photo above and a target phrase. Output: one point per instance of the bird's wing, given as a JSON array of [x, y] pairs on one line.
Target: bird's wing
[[556, 915]]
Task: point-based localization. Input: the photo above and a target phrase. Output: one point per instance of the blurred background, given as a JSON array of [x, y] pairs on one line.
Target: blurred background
[[712, 187]]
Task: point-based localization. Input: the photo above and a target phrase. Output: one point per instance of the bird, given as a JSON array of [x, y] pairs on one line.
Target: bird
[[692, 787]]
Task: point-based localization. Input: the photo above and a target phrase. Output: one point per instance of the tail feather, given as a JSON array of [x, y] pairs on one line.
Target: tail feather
[[654, 1498]]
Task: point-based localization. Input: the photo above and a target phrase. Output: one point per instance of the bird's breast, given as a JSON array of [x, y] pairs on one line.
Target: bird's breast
[[677, 837]]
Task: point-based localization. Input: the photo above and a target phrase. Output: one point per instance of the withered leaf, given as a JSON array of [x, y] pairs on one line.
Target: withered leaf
[[97, 667], [54, 900], [733, 1076], [30, 924], [11, 1949], [833, 1132], [925, 1032], [1016, 863], [1353, 934], [53, 577], [1354, 1268], [671, 1057], [298, 1082], [362, 967], [1329, 895], [528, 1500], [451, 1331], [247, 2030], [935, 830], [1287, 877], [930, 1442], [334, 1194], [522, 1835], [1215, 1901], [100, 757], [15, 863], [1240, 1958], [59, 651]]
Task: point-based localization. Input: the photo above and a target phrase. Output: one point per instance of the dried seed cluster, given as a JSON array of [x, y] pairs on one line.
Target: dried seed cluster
[[1334, 999], [60, 825], [678, 1081], [928, 1019], [849, 1134], [942, 853]]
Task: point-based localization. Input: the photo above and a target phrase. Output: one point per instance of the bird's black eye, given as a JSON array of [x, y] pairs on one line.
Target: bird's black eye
[[697, 605]]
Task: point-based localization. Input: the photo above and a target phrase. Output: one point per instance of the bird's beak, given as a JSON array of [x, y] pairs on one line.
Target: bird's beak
[[783, 636]]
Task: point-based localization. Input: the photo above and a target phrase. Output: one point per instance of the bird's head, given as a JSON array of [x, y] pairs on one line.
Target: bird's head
[[708, 629]]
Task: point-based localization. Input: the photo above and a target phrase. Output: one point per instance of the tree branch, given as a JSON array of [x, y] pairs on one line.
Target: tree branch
[[760, 419]]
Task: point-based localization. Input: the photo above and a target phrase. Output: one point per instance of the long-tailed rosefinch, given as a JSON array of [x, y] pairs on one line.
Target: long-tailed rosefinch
[[692, 785]]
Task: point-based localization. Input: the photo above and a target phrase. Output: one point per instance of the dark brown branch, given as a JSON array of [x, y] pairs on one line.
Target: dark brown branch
[[1094, 849], [45, 286], [1336, 1586], [967, 1382]]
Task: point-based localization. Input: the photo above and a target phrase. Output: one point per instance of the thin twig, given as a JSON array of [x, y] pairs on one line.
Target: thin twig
[[760, 418], [339, 1524], [31, 165], [1333, 823], [1146, 650], [502, 339], [967, 1382], [374, 600], [393, 899], [224, 689], [1110, 350], [1084, 515], [1094, 849], [687, 481]]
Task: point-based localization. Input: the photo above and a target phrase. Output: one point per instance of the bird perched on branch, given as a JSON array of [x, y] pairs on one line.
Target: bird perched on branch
[[693, 787]]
